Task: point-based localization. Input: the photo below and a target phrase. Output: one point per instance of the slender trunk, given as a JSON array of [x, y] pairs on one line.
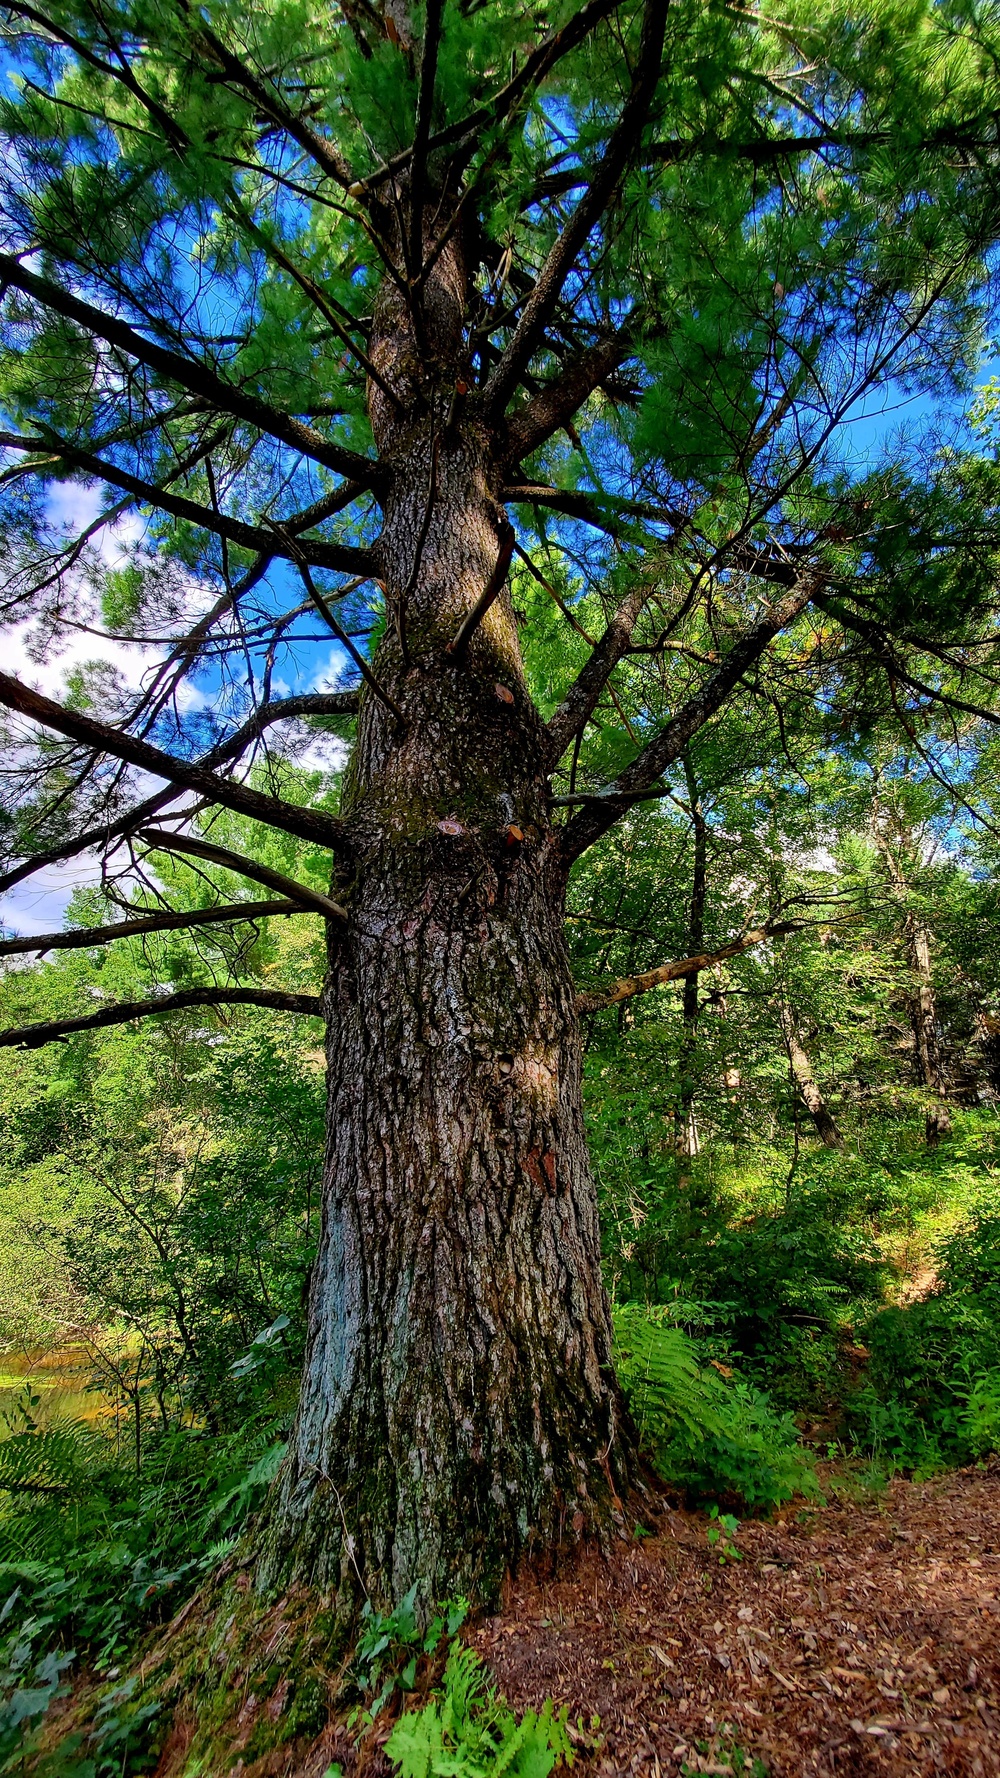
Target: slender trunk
[[921, 1000], [805, 1080], [458, 1404], [923, 1012], [687, 1131]]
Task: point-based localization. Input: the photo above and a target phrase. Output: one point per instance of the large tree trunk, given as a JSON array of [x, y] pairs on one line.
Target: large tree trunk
[[458, 1405]]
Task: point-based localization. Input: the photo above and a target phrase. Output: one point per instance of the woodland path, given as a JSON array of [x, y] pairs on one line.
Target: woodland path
[[849, 1639]]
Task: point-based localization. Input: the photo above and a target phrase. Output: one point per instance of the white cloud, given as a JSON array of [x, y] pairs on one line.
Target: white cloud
[[39, 904]]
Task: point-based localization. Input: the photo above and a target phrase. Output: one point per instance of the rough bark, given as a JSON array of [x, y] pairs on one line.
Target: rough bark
[[458, 1406]]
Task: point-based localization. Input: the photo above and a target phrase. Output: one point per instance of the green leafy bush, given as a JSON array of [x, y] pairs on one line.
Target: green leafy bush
[[467, 1731], [706, 1432], [791, 1279], [931, 1394]]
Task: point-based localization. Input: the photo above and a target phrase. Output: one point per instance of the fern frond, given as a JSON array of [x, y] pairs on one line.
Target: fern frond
[[660, 1375], [62, 1460]]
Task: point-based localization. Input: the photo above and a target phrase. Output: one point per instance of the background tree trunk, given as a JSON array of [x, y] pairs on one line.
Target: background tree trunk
[[687, 1130], [459, 1406], [921, 999], [923, 1012], [805, 1081]]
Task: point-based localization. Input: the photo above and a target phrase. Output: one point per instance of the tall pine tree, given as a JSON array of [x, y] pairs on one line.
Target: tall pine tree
[[402, 321]]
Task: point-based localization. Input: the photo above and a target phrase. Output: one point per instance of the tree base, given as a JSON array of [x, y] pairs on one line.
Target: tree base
[[266, 1685]]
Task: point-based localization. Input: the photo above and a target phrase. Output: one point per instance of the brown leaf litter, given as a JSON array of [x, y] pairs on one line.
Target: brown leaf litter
[[850, 1639]]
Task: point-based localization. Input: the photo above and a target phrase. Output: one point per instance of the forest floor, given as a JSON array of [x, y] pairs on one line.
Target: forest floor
[[855, 1637], [850, 1638]]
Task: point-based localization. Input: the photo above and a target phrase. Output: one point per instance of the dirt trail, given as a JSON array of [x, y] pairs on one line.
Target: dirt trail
[[849, 1639]]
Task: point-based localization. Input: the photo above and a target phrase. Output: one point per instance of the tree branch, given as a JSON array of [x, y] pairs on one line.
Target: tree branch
[[472, 619], [581, 700], [608, 805], [345, 641], [33, 1037], [307, 824], [341, 703], [622, 145], [326, 156], [597, 1000], [556, 402], [421, 132], [186, 845], [345, 558], [538, 64], [198, 378], [599, 510], [84, 937]]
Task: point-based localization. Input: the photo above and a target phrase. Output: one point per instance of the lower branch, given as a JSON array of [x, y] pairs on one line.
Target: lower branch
[[243, 867], [33, 1037], [304, 823], [84, 937], [628, 985]]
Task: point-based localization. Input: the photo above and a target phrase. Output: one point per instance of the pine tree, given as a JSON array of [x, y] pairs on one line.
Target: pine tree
[[401, 321]]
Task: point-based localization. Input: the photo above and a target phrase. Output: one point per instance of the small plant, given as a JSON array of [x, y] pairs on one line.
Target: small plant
[[721, 1534], [390, 1645], [706, 1429], [723, 1754], [467, 1731]]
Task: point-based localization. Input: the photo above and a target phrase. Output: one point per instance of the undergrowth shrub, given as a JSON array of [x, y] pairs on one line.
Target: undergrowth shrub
[[931, 1393], [792, 1280], [706, 1429], [91, 1555]]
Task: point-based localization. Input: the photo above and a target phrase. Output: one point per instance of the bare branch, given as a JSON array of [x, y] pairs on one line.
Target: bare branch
[[84, 937], [327, 157], [341, 703], [603, 511], [186, 845], [306, 824], [33, 1037], [623, 989], [344, 639]]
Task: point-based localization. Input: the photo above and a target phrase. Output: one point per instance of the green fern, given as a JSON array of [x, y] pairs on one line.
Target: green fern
[[61, 1460], [467, 1731], [710, 1436], [660, 1375]]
